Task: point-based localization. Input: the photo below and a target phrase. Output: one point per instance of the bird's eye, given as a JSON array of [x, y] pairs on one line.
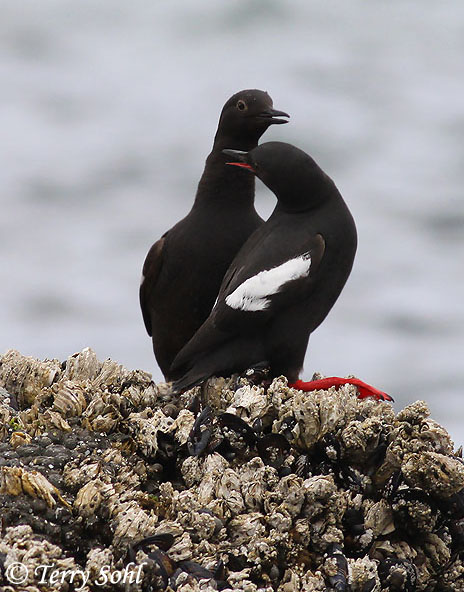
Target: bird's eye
[[241, 105]]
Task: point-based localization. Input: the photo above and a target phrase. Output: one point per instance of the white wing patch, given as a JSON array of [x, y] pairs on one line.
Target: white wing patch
[[254, 294]]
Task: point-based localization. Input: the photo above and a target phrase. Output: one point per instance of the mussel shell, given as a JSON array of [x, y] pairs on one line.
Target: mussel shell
[[403, 503], [457, 533], [273, 449], [393, 484], [163, 541], [236, 431], [286, 427], [165, 565], [326, 457], [167, 447], [369, 585], [257, 374], [302, 466], [353, 521], [453, 506], [196, 570], [353, 526], [220, 571], [399, 575], [201, 433], [339, 581]]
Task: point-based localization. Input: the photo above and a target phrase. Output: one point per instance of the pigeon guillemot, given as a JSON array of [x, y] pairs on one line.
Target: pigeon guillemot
[[284, 280], [183, 270]]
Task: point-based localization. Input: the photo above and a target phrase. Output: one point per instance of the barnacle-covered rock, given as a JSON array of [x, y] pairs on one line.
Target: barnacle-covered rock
[[82, 366], [442, 475], [145, 427], [37, 557], [229, 494], [361, 439], [414, 432], [363, 575], [379, 518], [398, 575], [19, 439], [26, 377], [245, 527], [234, 485], [182, 425], [250, 402], [255, 481], [90, 497], [68, 398], [290, 489], [131, 521], [100, 562], [139, 390], [17, 481], [48, 421], [413, 510]]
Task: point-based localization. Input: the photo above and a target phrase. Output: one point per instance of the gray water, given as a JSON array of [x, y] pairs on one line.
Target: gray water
[[108, 111]]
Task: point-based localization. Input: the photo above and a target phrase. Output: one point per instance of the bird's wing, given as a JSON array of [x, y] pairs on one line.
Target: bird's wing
[[253, 293], [258, 290], [150, 273]]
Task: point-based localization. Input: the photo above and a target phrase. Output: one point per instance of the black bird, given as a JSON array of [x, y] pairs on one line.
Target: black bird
[[184, 269], [284, 280]]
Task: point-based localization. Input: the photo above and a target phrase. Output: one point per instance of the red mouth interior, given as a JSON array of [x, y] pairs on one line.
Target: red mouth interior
[[244, 165]]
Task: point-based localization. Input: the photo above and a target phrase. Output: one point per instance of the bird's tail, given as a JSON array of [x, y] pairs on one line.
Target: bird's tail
[[193, 365], [225, 359], [192, 378]]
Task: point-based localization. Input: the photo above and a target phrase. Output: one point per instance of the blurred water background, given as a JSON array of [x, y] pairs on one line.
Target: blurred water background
[[108, 110]]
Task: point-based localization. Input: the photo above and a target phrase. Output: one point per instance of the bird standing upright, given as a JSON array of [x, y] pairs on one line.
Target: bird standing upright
[[183, 270], [284, 280]]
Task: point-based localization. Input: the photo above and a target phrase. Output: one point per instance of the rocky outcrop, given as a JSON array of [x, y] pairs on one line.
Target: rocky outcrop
[[107, 482]]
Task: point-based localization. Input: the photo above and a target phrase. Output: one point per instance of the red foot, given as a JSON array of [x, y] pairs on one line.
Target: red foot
[[365, 390]]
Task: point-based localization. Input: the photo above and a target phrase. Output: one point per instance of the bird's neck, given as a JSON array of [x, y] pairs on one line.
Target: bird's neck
[[313, 192], [223, 184]]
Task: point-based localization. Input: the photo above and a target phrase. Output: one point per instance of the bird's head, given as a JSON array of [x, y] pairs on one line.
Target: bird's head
[[245, 117], [295, 178]]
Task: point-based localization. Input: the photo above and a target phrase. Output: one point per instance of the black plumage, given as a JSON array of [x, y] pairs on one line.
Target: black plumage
[[284, 280], [183, 270]]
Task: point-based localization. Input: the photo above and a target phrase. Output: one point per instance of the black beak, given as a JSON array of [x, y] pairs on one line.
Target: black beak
[[272, 116], [238, 155], [240, 159]]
